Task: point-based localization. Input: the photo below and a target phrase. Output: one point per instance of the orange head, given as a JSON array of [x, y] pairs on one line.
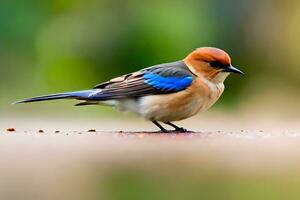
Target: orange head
[[212, 63]]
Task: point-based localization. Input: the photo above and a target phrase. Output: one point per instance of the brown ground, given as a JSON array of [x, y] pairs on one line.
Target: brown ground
[[46, 159]]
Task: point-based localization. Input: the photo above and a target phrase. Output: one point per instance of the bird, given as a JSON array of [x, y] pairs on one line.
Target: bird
[[163, 93]]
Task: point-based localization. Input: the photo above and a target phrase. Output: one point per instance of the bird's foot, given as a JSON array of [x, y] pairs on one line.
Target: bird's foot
[[177, 129], [182, 130]]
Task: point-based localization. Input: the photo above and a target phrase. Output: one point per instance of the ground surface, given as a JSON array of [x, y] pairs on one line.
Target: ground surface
[[244, 159]]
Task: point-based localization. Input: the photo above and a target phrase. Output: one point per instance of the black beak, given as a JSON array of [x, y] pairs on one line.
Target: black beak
[[232, 69]]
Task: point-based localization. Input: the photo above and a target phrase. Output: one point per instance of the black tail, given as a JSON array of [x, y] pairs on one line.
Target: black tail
[[80, 95]]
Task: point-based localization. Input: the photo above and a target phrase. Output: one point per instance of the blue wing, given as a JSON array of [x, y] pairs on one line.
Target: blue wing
[[170, 83], [159, 79]]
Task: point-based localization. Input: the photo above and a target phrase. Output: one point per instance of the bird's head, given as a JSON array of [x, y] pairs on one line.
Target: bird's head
[[211, 63]]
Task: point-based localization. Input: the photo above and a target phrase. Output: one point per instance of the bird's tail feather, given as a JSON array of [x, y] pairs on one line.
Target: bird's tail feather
[[80, 95], [87, 103]]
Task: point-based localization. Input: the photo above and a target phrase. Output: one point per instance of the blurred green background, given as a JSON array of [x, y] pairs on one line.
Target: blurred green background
[[63, 45], [54, 46]]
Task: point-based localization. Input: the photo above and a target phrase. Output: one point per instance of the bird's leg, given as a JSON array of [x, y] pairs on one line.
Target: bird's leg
[[177, 129], [160, 127]]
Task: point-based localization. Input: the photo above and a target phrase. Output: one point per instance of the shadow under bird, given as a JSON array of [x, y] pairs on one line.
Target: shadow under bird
[[162, 93]]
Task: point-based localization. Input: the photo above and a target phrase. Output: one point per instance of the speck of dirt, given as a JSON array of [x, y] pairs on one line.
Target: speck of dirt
[[11, 129], [40, 131], [91, 130], [261, 131], [56, 131]]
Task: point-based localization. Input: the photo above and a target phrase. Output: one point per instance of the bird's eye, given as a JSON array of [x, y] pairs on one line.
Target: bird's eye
[[217, 64]]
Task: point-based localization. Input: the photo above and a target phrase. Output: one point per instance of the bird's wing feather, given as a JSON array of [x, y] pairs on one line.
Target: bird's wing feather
[[159, 79]]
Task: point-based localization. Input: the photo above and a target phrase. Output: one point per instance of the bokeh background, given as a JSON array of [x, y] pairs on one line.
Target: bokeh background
[[58, 45], [54, 46]]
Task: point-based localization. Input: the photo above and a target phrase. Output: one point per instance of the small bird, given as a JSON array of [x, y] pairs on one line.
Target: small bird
[[162, 93]]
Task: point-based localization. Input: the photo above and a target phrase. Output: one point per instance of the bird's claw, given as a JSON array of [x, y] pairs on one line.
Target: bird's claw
[[182, 130]]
